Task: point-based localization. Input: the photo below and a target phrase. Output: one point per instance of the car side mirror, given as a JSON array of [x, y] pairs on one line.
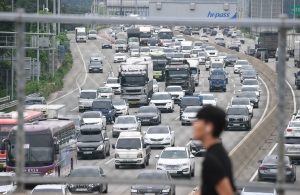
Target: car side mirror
[[113, 146], [56, 148], [192, 156], [104, 82], [172, 132], [78, 97], [106, 139], [259, 161], [156, 156], [208, 78]]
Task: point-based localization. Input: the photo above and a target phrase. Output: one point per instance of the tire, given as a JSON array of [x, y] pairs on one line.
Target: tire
[[193, 173], [182, 124], [276, 59], [103, 156], [160, 119], [266, 60], [189, 176], [106, 190], [224, 90], [108, 152], [143, 165], [287, 59], [147, 163], [117, 166], [173, 143]]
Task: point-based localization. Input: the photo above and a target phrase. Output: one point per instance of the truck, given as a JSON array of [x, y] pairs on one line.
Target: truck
[[133, 36], [130, 149], [50, 111], [291, 38], [136, 78], [217, 80], [297, 53], [269, 41], [195, 70], [145, 34], [159, 62], [86, 98], [178, 72], [80, 34]]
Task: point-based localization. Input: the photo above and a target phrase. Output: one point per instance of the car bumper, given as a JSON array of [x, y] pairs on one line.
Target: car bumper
[[215, 87], [262, 175], [163, 108], [119, 60], [187, 121], [238, 126], [137, 161], [178, 172], [109, 47], [96, 70], [149, 121], [84, 107], [135, 100], [158, 144], [90, 153]]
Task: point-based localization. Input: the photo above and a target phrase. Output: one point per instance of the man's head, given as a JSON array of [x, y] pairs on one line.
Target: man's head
[[210, 123]]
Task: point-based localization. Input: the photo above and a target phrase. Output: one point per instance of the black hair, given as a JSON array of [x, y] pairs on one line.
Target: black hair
[[214, 115]]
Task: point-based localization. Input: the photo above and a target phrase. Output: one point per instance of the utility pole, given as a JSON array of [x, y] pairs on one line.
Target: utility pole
[[38, 45], [11, 60], [53, 38], [58, 10], [136, 12]]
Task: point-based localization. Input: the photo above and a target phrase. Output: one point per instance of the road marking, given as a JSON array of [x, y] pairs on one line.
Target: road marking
[[109, 161], [74, 108], [267, 105], [233, 85], [233, 91], [176, 118], [188, 143]]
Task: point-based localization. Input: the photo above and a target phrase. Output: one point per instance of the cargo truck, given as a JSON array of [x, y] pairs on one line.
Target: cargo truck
[[290, 42], [297, 54], [50, 111], [80, 34], [133, 36], [268, 40], [145, 34]]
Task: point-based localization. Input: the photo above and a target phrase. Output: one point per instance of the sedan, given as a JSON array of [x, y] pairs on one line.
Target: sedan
[[125, 123], [134, 52], [93, 118], [209, 100], [204, 38], [234, 47], [251, 82], [293, 128], [177, 160], [96, 57], [236, 42], [56, 189], [159, 136], [197, 148], [145, 51], [251, 88], [120, 57], [88, 171], [106, 45], [249, 74], [231, 59], [121, 107], [166, 43], [153, 188], [254, 99], [297, 115], [268, 169], [220, 43], [95, 67], [176, 93], [113, 83], [149, 115], [179, 38], [187, 32], [189, 115], [105, 92], [246, 68], [238, 64]]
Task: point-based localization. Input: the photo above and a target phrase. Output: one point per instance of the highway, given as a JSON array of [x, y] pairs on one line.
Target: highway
[[78, 77]]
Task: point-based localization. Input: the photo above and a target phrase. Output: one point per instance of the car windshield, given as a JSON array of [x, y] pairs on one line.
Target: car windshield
[[217, 65], [101, 104], [47, 191], [250, 82], [172, 89], [239, 101], [242, 62], [118, 102], [246, 67], [292, 140], [193, 109], [174, 154], [90, 137], [249, 89], [153, 175], [84, 172], [125, 120], [88, 95], [5, 183], [90, 115], [158, 130], [248, 94], [106, 43], [169, 50], [294, 124], [208, 97], [190, 101], [196, 51], [105, 90], [112, 81], [128, 143], [249, 72], [161, 97], [217, 77], [203, 36], [186, 47], [148, 109], [237, 111], [145, 49], [96, 55], [198, 43]]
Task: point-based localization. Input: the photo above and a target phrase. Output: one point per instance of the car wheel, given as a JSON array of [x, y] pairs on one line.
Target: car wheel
[[148, 161], [103, 156], [173, 143], [182, 124], [160, 119], [143, 165], [81, 110], [276, 59], [224, 90], [193, 173], [117, 166], [189, 176], [108, 152], [106, 190]]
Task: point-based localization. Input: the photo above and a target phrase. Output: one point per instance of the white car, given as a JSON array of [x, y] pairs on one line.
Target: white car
[[243, 102], [201, 57], [197, 44], [163, 101], [179, 38], [194, 53], [155, 86], [105, 92], [251, 88], [204, 38], [121, 107], [166, 43], [176, 92], [189, 115], [238, 64], [251, 83], [159, 136], [93, 118], [219, 35], [236, 42], [145, 51], [120, 57], [293, 128], [113, 83], [125, 124], [176, 28], [134, 52], [209, 99], [7, 187], [57, 189], [233, 35], [177, 161], [222, 55], [176, 46], [92, 34]]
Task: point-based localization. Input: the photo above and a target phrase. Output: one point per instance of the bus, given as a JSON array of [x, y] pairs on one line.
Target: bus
[[164, 34], [159, 62], [8, 121], [50, 147]]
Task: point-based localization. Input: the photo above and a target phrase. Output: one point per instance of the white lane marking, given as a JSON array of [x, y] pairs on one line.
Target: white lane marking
[[232, 80], [267, 105], [256, 172], [233, 85], [74, 109], [233, 91], [109, 161], [188, 143], [78, 88], [294, 97], [176, 118]]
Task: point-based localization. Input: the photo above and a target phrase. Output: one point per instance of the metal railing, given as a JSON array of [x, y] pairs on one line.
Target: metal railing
[[4, 99], [15, 102], [20, 18]]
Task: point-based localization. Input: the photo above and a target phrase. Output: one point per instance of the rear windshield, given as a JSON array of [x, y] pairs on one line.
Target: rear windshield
[[239, 101], [190, 102]]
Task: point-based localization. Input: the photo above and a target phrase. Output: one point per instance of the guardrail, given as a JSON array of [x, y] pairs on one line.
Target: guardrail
[[4, 99], [15, 102]]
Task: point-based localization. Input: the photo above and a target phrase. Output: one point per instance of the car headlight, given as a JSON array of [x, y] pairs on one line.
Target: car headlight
[[246, 119], [155, 117], [100, 147], [185, 117], [91, 185], [185, 164], [165, 191], [133, 191], [123, 109], [167, 138], [78, 149]]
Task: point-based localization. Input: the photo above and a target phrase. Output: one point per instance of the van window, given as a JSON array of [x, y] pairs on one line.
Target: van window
[[128, 143]]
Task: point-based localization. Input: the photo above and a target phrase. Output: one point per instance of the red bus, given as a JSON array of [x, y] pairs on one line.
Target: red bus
[[8, 121]]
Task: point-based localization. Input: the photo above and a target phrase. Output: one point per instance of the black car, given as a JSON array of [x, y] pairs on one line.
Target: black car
[[149, 115], [197, 148], [231, 59], [238, 118], [221, 42], [213, 33], [204, 29], [152, 42], [252, 52], [258, 53], [95, 67], [229, 33], [225, 31], [187, 31], [252, 97], [106, 45], [92, 141], [88, 171], [154, 175], [234, 47]]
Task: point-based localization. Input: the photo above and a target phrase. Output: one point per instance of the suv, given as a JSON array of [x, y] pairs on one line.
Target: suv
[[86, 98], [190, 101], [238, 118], [243, 102], [163, 101], [121, 45], [217, 80], [258, 54], [106, 107]]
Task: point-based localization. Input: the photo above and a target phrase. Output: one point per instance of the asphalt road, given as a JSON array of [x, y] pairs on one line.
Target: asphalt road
[[78, 77]]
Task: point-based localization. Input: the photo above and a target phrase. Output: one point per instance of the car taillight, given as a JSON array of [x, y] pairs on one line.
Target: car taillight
[[290, 168], [256, 55], [289, 130], [262, 168]]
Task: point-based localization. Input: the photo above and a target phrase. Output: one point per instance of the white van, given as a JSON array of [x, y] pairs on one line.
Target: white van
[[186, 46]]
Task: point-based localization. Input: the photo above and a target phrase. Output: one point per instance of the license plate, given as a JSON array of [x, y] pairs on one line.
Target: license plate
[[120, 48], [120, 59], [90, 152], [95, 68], [146, 120], [217, 85], [1, 165], [273, 170], [149, 194], [156, 77], [81, 189], [158, 142], [172, 171], [236, 124], [128, 160], [133, 102]]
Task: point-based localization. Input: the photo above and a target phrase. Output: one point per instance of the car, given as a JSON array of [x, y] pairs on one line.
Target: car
[[149, 115], [211, 51], [197, 148], [179, 38], [92, 34], [231, 59], [181, 29], [93, 118], [34, 100], [197, 44], [7, 187], [106, 45], [144, 51], [222, 55], [189, 115], [220, 42], [163, 101], [219, 35], [287, 55], [209, 100], [243, 102], [126, 123], [205, 28], [213, 33], [153, 188], [121, 107], [176, 46], [268, 169], [57, 189], [187, 31], [134, 46], [201, 57], [225, 31], [252, 52], [96, 57], [233, 35], [134, 52], [77, 121], [254, 99], [249, 74], [251, 82], [189, 101], [258, 53], [177, 161], [204, 37], [95, 67], [258, 190], [236, 42], [194, 53], [251, 88], [176, 93], [297, 115], [166, 43], [238, 64], [159, 136], [106, 107], [238, 118], [114, 84], [153, 48], [105, 92], [246, 68], [234, 47], [88, 171], [229, 33], [293, 128], [292, 146], [120, 57]]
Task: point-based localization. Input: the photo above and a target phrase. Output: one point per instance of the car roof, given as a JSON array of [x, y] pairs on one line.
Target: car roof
[[112, 78], [175, 148], [103, 100], [161, 93], [49, 186]]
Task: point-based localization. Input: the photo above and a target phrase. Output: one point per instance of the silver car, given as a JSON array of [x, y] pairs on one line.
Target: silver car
[[292, 146], [258, 190], [125, 123], [96, 57], [251, 82], [159, 136], [189, 114]]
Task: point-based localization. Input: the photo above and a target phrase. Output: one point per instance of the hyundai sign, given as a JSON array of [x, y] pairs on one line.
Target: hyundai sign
[[182, 9]]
